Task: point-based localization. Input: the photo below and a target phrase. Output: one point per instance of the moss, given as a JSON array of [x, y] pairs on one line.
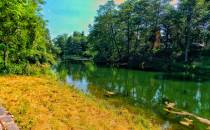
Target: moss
[[44, 103]]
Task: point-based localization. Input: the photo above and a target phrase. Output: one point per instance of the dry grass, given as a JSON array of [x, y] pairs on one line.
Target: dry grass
[[41, 103]]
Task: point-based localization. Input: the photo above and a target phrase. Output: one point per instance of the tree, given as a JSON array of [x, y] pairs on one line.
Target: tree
[[194, 15], [73, 45], [139, 33], [104, 30], [60, 42], [148, 30], [24, 37]]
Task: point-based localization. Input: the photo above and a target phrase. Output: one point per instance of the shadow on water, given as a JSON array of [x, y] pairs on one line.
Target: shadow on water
[[183, 76], [142, 89]]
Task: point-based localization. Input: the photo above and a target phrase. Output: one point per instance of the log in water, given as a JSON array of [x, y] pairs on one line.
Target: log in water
[[170, 108]]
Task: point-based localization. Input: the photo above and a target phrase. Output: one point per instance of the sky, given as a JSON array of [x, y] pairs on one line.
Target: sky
[[66, 16]]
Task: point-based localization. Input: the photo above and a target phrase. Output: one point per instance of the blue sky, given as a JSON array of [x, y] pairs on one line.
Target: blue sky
[[66, 16]]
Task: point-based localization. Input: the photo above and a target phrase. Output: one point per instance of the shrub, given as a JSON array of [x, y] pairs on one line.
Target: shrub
[[25, 69]]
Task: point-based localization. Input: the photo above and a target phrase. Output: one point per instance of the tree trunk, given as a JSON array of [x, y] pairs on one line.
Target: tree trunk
[[113, 37], [188, 36], [5, 56], [187, 41], [157, 40], [186, 53], [167, 38], [137, 40], [128, 39]]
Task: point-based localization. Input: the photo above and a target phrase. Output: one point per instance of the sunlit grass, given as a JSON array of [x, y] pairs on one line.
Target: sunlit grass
[[41, 103]]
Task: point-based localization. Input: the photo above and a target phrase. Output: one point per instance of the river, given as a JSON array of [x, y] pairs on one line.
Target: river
[[148, 90]]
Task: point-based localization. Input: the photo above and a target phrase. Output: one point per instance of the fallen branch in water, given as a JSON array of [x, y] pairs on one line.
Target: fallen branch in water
[[170, 108], [109, 94]]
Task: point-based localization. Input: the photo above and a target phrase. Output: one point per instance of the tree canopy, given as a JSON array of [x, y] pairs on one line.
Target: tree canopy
[[141, 34], [146, 31], [24, 38], [71, 46]]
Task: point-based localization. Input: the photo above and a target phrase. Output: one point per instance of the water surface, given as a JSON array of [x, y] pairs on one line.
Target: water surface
[[144, 89]]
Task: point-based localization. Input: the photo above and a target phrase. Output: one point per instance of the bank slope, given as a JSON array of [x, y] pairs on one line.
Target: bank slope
[[41, 103]]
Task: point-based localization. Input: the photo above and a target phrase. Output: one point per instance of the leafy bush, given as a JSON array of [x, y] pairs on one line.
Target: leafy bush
[[25, 69]]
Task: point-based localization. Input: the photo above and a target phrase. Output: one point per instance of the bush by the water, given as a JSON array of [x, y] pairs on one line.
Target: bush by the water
[[26, 69]]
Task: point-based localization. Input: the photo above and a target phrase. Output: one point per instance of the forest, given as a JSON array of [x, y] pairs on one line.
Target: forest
[[98, 78], [154, 35], [151, 35]]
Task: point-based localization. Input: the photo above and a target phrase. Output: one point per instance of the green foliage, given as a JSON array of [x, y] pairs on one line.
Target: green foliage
[[143, 34], [71, 46], [24, 38], [149, 31]]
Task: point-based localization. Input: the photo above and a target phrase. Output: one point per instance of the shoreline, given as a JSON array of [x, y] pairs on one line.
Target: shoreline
[[40, 102]]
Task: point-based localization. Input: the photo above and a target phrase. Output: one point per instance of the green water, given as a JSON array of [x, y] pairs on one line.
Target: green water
[[144, 89]]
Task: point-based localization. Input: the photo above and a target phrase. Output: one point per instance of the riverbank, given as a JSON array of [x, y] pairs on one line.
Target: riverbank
[[43, 103], [197, 70]]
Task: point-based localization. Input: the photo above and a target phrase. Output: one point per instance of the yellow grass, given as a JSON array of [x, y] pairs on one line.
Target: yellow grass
[[41, 103]]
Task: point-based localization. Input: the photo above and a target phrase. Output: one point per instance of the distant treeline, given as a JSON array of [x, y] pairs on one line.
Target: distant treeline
[[144, 34], [68, 47], [25, 44]]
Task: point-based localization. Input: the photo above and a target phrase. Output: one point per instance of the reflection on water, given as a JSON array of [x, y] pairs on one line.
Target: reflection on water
[[144, 88], [82, 84]]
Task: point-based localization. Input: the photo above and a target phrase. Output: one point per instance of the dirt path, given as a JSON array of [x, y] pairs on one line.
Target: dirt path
[[6, 120]]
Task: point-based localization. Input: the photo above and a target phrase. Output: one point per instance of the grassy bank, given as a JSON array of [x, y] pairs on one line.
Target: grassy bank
[[40, 103]]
